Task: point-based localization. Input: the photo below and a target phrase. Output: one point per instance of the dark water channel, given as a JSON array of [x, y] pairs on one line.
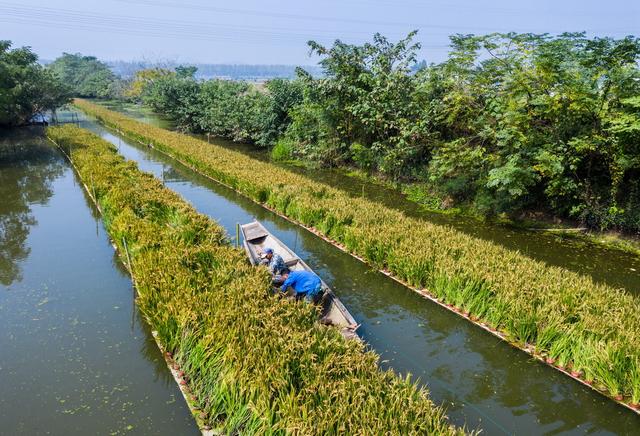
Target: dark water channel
[[614, 267], [75, 356], [483, 382]]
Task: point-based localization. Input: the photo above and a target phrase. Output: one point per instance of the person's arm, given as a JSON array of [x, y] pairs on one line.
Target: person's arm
[[286, 284]]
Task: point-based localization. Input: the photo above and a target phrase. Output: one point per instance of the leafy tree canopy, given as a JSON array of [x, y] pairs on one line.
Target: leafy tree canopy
[[87, 76], [507, 124], [26, 88]]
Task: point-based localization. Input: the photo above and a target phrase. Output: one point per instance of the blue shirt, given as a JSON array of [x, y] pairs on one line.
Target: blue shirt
[[303, 282]]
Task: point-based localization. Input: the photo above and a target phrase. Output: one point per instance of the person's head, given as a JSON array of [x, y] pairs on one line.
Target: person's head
[[268, 253], [285, 274]]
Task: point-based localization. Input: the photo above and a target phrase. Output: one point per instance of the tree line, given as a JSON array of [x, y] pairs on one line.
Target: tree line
[[509, 123], [28, 88]]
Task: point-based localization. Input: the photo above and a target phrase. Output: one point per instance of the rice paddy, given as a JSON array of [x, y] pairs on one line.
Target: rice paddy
[[254, 363], [588, 329]]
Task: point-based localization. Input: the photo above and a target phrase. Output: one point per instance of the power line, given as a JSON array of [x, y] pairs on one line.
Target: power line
[[70, 20], [412, 25], [159, 24], [143, 27]]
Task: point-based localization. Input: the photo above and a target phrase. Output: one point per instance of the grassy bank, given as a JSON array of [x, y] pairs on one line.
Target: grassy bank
[[591, 329], [255, 363]]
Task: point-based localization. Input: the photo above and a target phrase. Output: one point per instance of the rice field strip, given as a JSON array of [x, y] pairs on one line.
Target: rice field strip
[[424, 293], [173, 367], [610, 367], [376, 400], [189, 398]]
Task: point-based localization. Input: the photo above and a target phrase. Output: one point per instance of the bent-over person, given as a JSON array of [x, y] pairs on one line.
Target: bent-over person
[[306, 285]]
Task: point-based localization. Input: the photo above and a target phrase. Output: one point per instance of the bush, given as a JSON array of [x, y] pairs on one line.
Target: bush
[[282, 151]]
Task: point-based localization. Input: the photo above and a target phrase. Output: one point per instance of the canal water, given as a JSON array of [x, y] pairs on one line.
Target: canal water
[[614, 267], [483, 382], [75, 356]]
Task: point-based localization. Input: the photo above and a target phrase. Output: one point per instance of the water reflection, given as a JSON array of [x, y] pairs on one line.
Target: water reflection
[[75, 355], [19, 190]]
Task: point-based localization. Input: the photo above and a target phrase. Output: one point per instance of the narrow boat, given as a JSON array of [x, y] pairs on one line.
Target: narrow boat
[[256, 238]]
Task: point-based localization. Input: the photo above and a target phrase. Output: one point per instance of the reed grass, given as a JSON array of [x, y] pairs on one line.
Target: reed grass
[[256, 364], [523, 298]]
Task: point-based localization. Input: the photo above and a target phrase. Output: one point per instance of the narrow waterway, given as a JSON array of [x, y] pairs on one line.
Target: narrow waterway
[[482, 381], [614, 267], [75, 356]]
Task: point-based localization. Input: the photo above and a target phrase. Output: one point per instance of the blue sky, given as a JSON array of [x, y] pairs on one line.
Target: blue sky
[[276, 32]]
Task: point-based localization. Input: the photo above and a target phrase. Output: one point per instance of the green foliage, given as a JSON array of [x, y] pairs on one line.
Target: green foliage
[[141, 81], [25, 87], [282, 151], [86, 75], [508, 123], [174, 95], [256, 363], [560, 313], [236, 110], [283, 97], [368, 98], [535, 121]]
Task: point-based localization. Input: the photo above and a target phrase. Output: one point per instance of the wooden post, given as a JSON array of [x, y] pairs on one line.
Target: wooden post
[[237, 235], [126, 251], [93, 190]]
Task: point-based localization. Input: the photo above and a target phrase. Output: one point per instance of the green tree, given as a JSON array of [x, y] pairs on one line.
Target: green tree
[[143, 80], [509, 123], [26, 88], [533, 111], [177, 97], [87, 76], [368, 95]]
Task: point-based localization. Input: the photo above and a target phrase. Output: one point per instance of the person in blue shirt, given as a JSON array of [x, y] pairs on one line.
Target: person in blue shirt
[[306, 285]]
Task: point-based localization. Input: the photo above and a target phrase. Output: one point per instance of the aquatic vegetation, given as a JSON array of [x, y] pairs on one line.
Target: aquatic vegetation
[[560, 313], [255, 363]]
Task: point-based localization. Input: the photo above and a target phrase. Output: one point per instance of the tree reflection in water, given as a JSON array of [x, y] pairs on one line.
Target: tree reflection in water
[[28, 166]]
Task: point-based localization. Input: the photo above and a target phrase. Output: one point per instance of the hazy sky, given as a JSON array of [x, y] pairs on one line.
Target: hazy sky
[[276, 32]]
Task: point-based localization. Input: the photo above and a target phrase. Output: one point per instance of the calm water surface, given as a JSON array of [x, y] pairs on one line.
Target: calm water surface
[[483, 382], [75, 356]]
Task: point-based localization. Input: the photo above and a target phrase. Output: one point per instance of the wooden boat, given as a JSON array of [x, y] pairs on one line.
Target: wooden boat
[[256, 238]]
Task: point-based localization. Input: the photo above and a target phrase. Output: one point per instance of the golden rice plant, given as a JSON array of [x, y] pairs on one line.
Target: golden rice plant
[[521, 297], [255, 363]]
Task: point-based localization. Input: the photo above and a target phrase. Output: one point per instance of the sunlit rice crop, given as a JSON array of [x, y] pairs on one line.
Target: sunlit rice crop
[[256, 364], [565, 316]]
